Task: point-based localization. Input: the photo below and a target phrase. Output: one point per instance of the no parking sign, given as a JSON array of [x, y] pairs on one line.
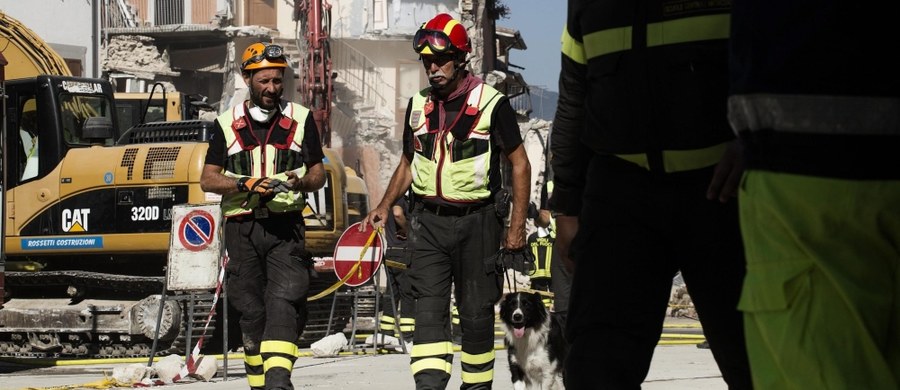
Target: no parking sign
[[195, 247]]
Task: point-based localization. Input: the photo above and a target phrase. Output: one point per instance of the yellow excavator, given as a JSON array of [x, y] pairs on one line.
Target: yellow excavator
[[87, 215]]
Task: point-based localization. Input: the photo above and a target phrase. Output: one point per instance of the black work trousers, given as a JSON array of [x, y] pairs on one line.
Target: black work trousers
[[401, 291], [636, 230], [459, 251], [268, 282]]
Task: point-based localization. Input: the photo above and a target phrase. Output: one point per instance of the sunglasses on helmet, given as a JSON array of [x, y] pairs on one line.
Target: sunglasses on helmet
[[271, 52], [436, 40]]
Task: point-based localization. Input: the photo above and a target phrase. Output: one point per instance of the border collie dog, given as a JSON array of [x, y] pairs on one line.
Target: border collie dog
[[535, 344]]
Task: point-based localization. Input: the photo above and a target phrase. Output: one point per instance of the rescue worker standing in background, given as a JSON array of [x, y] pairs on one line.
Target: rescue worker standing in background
[[645, 167], [263, 155], [816, 106], [396, 232], [560, 275], [455, 135], [541, 244]]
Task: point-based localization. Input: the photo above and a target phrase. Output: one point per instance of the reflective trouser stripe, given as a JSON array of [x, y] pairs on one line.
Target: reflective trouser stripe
[[432, 349], [431, 364], [407, 324], [253, 360], [432, 356], [477, 368], [455, 318], [278, 362], [256, 380], [278, 346], [387, 323], [278, 354], [253, 365], [681, 160], [478, 377]]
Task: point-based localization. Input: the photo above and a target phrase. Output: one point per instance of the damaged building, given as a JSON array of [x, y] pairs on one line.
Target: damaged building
[[192, 47]]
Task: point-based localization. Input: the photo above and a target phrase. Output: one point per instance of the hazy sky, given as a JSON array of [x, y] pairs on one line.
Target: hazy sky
[[541, 24]]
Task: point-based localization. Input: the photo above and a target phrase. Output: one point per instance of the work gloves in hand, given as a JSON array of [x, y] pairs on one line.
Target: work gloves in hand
[[265, 187]]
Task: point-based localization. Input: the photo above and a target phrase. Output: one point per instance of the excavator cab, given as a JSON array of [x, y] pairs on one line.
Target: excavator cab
[[46, 117]]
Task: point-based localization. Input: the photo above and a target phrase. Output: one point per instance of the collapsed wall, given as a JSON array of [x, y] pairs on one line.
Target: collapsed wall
[[137, 55]]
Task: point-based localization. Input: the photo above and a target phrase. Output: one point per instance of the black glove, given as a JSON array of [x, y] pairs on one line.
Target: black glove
[[532, 211], [279, 186], [521, 260]]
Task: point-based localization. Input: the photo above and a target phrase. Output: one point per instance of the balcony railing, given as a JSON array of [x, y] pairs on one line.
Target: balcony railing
[[151, 13], [359, 74]]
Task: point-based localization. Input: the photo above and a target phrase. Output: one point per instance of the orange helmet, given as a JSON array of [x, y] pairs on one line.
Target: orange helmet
[[441, 34], [261, 55]]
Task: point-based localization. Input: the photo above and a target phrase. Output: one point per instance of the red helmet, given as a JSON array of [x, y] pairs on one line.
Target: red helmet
[[441, 34]]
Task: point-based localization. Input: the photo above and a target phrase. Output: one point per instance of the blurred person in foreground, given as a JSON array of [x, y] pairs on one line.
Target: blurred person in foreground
[[645, 170], [814, 99]]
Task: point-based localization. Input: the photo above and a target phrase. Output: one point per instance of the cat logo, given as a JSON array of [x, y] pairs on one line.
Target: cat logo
[[75, 220]]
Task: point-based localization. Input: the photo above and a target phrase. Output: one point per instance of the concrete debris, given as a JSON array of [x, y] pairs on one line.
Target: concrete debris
[[329, 345], [206, 368], [535, 138], [680, 304], [132, 373], [168, 367], [136, 54], [383, 339]]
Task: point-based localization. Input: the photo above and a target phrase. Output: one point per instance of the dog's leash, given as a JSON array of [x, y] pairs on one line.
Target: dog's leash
[[505, 260]]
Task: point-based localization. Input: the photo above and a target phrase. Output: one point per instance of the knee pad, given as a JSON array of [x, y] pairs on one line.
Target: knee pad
[[251, 345], [432, 311], [478, 331]]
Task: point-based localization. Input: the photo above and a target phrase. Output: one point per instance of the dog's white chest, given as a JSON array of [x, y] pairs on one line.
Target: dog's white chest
[[532, 356]]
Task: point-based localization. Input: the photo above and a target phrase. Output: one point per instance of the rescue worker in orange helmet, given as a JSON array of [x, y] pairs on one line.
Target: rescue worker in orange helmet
[[263, 155], [455, 133]]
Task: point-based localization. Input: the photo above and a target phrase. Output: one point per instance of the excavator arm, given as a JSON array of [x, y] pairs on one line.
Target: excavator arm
[[313, 18]]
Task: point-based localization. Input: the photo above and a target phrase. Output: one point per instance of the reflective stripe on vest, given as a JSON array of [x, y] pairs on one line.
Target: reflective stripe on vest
[[681, 160], [542, 248], [437, 174], [262, 161], [670, 32], [815, 114]]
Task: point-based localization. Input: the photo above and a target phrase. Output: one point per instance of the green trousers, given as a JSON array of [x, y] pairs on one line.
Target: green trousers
[[822, 293]]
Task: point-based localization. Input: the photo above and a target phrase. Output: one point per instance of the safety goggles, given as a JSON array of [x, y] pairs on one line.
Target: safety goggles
[[271, 52], [436, 40]]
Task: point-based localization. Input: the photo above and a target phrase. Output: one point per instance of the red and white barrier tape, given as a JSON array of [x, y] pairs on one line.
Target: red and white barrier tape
[[190, 366]]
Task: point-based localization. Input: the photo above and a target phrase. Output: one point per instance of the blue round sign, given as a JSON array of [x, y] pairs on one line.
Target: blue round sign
[[197, 230]]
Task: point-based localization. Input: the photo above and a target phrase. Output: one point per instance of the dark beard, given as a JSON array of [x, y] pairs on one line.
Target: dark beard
[[257, 99]]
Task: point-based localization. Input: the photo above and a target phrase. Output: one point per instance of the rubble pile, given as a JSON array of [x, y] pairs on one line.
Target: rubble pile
[[137, 55], [680, 304]]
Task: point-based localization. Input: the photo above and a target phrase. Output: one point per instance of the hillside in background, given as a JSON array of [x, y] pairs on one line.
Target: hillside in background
[[543, 103]]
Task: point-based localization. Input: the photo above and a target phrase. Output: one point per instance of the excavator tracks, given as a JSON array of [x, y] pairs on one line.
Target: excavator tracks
[[19, 338], [55, 345]]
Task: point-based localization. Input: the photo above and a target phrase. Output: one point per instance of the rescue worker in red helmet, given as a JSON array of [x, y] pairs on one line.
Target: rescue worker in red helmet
[[263, 155], [456, 133]]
